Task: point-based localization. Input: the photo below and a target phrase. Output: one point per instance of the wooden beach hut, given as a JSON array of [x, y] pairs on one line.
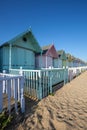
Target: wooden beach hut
[[49, 57], [82, 63], [74, 62], [61, 58], [70, 60], [19, 52]]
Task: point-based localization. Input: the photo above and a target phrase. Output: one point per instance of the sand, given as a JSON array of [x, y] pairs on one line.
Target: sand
[[65, 110]]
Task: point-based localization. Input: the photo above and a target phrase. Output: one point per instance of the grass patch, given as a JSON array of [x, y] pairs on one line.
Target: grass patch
[[5, 119], [52, 94]]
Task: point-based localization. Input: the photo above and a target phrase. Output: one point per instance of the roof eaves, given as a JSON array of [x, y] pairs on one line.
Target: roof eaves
[[18, 36], [40, 49], [46, 47]]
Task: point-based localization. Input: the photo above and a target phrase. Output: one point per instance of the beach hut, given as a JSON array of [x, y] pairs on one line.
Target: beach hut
[[61, 58], [75, 62], [19, 52], [82, 63], [70, 60], [49, 57]]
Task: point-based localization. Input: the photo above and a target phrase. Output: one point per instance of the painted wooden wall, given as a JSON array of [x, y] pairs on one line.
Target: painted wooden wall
[[46, 62], [19, 58], [59, 63], [55, 63], [25, 58], [70, 64], [62, 59], [49, 61], [4, 57]]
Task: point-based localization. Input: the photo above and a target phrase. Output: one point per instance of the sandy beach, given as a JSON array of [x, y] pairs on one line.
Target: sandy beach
[[65, 110]]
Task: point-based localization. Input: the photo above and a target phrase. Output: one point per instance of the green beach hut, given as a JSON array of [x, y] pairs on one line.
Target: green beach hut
[[61, 58], [19, 52]]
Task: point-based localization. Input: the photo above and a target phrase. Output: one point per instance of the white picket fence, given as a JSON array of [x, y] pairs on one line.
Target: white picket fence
[[12, 86], [38, 83], [75, 71]]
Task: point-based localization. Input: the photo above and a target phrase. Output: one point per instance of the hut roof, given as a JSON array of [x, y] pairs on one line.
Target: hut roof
[[61, 54], [34, 43], [46, 47], [50, 50]]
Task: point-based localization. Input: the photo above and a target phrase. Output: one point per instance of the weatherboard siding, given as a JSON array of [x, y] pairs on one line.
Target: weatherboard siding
[[48, 62], [4, 58], [24, 58], [44, 62], [55, 63], [59, 63]]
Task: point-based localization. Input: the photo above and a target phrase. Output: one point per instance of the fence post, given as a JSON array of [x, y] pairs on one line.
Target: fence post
[[12, 88], [40, 87], [18, 89], [1, 96], [70, 75], [21, 71], [64, 74], [9, 94], [36, 84], [15, 93], [4, 87], [51, 82], [22, 95]]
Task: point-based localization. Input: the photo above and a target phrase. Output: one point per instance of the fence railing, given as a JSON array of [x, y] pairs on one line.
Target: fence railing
[[75, 71], [38, 83], [12, 86]]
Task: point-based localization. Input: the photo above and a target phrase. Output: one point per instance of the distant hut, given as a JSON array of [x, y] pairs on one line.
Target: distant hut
[[61, 58], [49, 57], [78, 62], [70, 60], [74, 62], [19, 52], [82, 63]]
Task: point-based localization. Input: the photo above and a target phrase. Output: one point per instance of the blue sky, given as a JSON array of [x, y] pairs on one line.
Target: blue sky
[[61, 22]]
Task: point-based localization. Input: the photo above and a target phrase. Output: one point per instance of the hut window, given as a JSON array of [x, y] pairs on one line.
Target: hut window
[[24, 39]]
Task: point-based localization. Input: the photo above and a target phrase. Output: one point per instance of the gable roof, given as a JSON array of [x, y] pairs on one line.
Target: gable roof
[[35, 45], [69, 57], [61, 54], [46, 48], [50, 50]]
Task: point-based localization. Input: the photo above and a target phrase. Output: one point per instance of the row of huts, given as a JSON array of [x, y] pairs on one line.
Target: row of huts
[[24, 51]]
